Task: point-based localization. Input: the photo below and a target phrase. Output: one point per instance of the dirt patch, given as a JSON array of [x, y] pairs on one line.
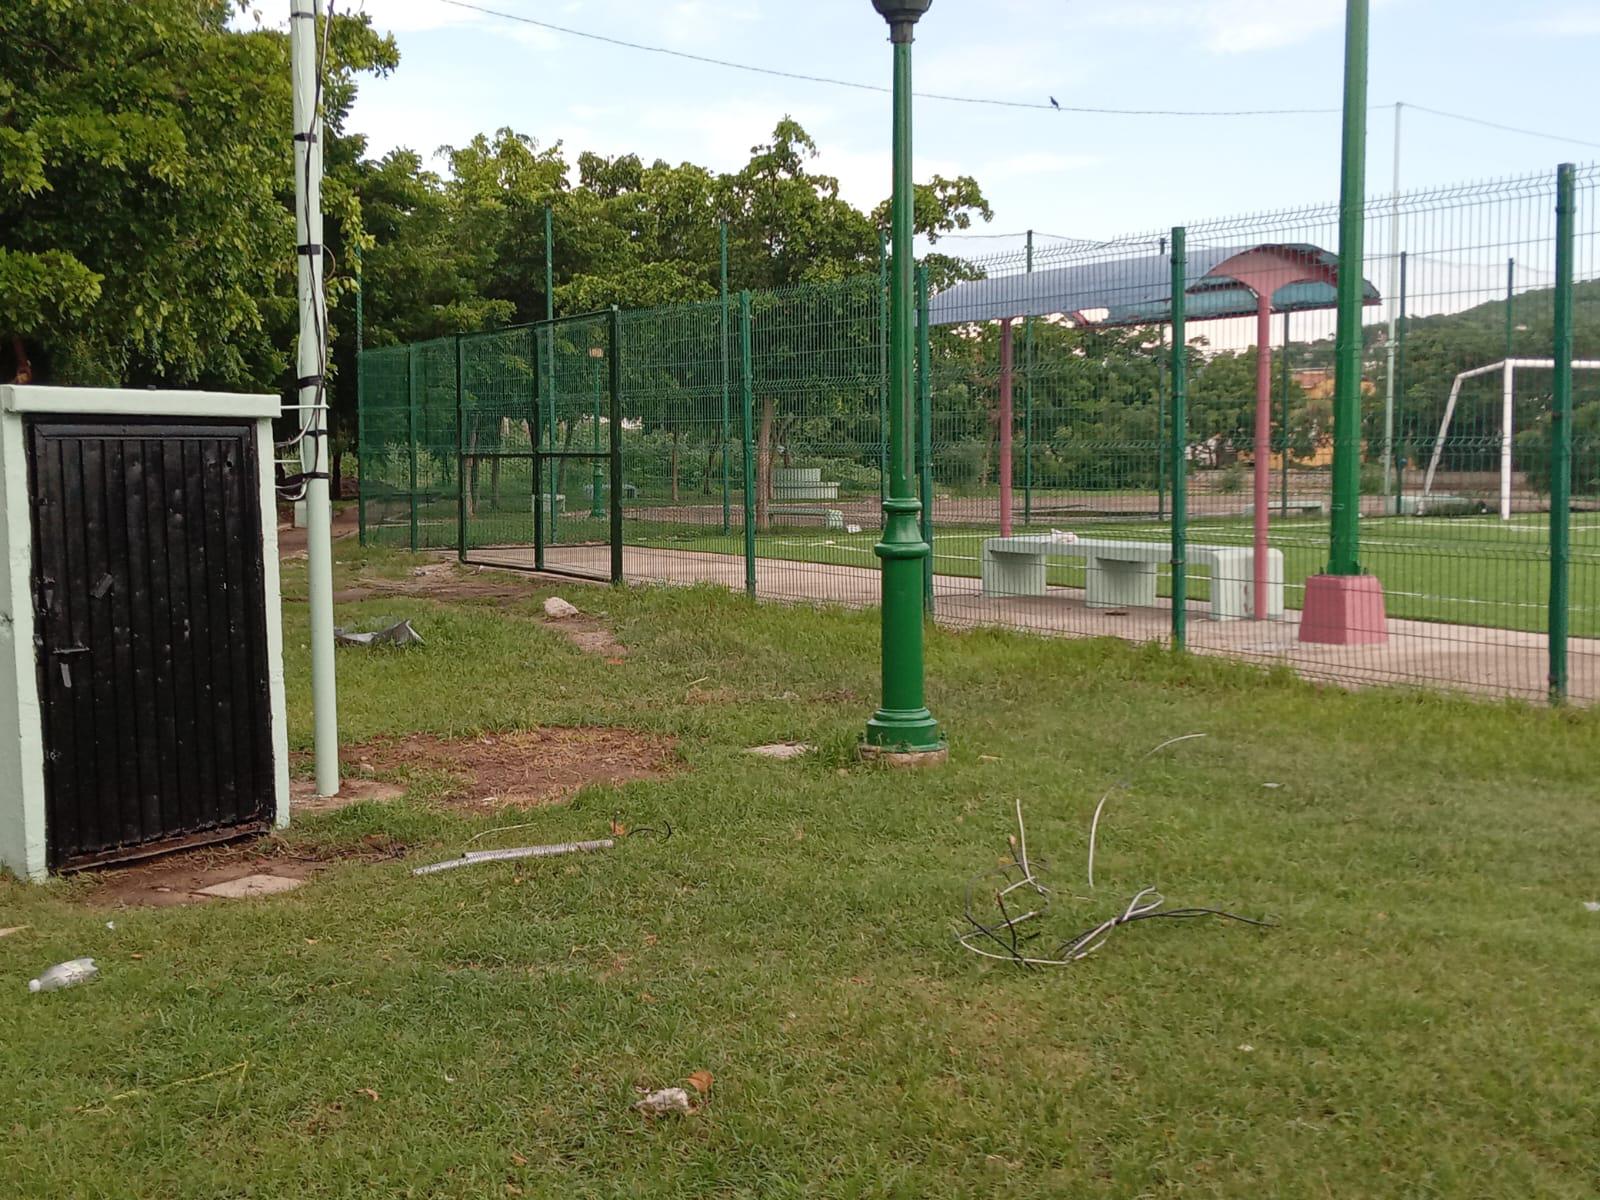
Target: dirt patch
[[588, 635], [440, 581], [177, 878], [535, 766], [359, 789], [292, 542]]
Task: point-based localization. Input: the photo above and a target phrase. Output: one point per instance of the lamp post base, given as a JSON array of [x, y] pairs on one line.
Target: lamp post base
[[904, 756], [1344, 610]]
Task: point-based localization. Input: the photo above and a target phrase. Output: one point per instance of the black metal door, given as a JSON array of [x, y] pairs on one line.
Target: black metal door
[[150, 612]]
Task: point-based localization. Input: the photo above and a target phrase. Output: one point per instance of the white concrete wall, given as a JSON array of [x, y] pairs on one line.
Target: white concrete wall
[[21, 749]]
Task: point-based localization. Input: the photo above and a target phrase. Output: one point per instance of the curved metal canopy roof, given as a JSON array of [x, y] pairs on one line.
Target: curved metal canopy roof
[[1137, 290]]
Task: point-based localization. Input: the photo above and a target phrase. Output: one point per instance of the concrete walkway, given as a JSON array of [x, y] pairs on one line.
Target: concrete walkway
[[1468, 658]]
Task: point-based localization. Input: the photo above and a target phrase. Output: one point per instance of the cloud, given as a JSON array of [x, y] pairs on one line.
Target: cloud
[[1034, 163], [1227, 26], [1570, 21]]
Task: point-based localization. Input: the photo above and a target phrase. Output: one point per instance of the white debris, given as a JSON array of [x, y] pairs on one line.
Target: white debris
[[1592, 905], [558, 609], [781, 750], [665, 1101], [1063, 535], [852, 529]]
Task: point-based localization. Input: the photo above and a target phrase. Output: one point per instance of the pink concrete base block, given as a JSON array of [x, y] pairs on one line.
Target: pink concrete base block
[[1344, 610]]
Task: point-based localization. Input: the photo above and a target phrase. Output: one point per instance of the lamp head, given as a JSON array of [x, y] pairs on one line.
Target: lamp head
[[902, 15]]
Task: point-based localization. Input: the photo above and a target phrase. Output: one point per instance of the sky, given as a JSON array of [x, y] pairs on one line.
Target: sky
[[1065, 174]]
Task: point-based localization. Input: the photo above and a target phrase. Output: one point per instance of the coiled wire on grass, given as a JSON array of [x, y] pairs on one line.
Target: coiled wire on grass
[[1010, 939]]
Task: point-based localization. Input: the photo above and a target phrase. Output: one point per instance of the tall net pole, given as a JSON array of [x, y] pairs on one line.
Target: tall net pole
[[902, 724], [1344, 556]]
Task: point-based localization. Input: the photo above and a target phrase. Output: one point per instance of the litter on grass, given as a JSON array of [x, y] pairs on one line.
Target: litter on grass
[[558, 609], [781, 750], [667, 1101], [64, 975], [1011, 935], [399, 634], [473, 857]]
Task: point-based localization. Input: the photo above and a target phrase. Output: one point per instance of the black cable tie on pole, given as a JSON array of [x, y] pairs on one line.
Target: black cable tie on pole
[[309, 248], [305, 137], [306, 381]]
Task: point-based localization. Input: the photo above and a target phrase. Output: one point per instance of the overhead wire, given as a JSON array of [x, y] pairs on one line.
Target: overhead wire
[[857, 85], [1553, 137], [992, 101]]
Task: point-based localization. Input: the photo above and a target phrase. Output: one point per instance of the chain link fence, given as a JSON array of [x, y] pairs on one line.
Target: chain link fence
[[750, 440]]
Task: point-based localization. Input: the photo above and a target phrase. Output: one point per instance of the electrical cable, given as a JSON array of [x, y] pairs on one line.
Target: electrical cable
[[993, 101], [831, 81], [1552, 137], [1011, 936], [294, 488]]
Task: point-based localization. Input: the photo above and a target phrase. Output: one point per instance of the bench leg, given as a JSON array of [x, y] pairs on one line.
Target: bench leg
[[1274, 610], [1230, 586], [1013, 574], [1119, 583]]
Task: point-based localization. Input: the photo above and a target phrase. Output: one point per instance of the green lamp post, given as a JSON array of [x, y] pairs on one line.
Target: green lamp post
[[902, 730]]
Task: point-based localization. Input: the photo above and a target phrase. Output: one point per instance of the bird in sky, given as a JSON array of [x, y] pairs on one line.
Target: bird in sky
[[1055, 104]]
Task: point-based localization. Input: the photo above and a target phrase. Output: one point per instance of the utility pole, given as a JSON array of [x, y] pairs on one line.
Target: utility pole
[[902, 730], [310, 368]]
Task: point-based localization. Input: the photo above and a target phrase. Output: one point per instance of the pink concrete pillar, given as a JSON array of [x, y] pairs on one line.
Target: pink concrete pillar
[[1263, 445], [1005, 428]]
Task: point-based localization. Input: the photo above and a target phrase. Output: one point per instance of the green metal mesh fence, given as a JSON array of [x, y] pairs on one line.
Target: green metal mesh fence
[[752, 438]]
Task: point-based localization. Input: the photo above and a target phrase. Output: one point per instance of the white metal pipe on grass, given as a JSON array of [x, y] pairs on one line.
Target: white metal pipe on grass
[[311, 362]]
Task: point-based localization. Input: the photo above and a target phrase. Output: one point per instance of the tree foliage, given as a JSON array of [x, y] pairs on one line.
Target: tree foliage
[[145, 184]]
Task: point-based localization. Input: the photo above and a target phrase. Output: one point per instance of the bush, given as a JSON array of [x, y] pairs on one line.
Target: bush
[[960, 464]]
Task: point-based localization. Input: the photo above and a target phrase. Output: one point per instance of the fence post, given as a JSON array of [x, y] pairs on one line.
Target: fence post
[[1179, 447], [722, 245], [550, 359], [925, 430], [1511, 283], [361, 411], [461, 462], [1161, 439], [411, 436], [1027, 403], [883, 365], [1400, 390], [537, 446], [615, 381], [1561, 435], [747, 403], [1283, 421]]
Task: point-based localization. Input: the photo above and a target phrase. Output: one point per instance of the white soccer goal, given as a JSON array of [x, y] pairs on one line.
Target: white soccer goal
[[1508, 369]]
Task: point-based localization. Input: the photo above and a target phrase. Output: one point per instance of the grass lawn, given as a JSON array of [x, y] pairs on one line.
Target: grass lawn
[[1422, 1022]]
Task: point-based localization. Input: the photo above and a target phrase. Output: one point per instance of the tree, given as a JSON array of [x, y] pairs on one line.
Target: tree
[[145, 185]]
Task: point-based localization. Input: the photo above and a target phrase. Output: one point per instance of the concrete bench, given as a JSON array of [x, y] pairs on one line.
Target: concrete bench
[[1122, 574]]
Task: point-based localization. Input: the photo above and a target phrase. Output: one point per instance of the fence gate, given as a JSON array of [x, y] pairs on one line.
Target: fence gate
[[151, 618], [540, 448]]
